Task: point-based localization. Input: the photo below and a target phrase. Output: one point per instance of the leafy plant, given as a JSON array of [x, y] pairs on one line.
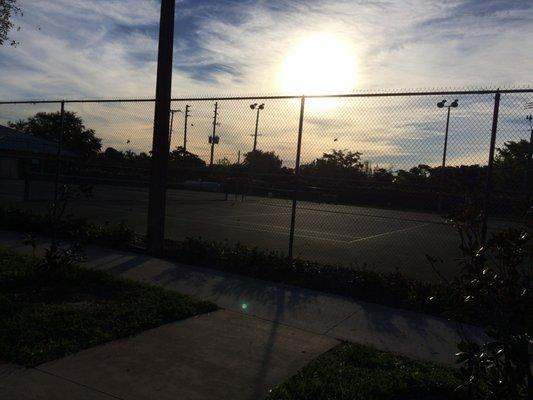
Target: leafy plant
[[496, 284], [57, 257], [67, 193]]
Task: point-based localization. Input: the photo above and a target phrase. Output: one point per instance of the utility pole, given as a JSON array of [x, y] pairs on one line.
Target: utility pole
[[239, 158], [185, 128], [259, 107], [172, 112], [213, 139], [160, 143]]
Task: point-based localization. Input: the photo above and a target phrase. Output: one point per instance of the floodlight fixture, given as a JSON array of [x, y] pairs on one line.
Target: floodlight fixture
[[442, 104], [257, 107]]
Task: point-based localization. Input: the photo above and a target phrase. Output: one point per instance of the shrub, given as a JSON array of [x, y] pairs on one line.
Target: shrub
[[495, 284]]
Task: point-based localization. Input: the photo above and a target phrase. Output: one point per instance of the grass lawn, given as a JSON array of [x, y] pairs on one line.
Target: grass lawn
[[46, 315], [353, 372]]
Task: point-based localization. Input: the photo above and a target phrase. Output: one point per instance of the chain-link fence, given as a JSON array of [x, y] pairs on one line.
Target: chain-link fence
[[357, 180]]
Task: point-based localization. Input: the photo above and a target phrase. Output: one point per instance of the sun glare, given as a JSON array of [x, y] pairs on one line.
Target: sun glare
[[319, 64]]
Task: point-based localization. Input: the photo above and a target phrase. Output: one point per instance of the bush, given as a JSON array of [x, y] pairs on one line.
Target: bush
[[495, 284], [68, 227], [391, 289]]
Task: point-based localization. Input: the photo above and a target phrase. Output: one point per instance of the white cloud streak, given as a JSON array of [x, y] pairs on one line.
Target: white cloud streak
[[107, 49]]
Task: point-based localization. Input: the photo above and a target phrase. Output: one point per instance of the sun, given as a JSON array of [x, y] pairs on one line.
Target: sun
[[319, 64]]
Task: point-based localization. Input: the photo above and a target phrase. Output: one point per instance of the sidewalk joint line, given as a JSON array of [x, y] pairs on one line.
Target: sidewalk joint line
[[78, 383], [340, 322]]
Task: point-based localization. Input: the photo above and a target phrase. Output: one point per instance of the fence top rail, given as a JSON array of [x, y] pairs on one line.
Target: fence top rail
[[282, 97]]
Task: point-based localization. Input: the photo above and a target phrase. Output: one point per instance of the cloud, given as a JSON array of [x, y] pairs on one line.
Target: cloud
[[108, 49]]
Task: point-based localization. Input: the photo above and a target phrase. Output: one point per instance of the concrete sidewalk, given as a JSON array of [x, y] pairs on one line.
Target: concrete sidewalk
[[222, 355], [265, 334]]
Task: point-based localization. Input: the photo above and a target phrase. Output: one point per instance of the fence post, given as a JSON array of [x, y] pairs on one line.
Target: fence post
[[58, 161], [297, 176], [529, 169], [488, 182], [160, 143]]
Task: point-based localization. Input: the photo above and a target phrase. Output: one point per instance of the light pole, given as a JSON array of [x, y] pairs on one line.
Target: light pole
[[257, 107], [442, 104]]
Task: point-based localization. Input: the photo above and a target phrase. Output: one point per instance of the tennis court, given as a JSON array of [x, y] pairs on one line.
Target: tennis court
[[359, 237]]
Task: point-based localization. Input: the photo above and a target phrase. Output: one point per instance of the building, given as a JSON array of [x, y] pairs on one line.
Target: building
[[21, 153]]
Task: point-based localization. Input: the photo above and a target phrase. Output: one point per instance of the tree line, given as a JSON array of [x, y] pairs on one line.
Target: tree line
[[511, 162]]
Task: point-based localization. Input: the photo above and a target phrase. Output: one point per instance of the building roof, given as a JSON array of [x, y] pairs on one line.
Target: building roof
[[12, 140]]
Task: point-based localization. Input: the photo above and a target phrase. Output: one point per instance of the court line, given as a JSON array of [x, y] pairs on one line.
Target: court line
[[253, 227], [263, 202], [282, 229], [258, 228], [247, 215], [388, 233]]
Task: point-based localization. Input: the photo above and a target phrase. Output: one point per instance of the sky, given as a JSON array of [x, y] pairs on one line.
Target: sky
[[108, 49]]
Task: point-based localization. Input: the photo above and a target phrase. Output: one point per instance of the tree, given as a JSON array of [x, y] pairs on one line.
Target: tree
[[382, 175], [76, 137], [8, 9], [418, 176], [113, 154], [182, 158], [266, 162], [510, 165], [224, 162], [130, 155], [337, 164]]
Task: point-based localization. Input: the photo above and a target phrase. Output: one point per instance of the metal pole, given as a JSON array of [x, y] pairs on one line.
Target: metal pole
[[529, 166], [297, 177], [256, 126], [171, 128], [160, 143], [58, 160], [185, 128], [488, 183], [446, 139], [214, 134], [442, 174]]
